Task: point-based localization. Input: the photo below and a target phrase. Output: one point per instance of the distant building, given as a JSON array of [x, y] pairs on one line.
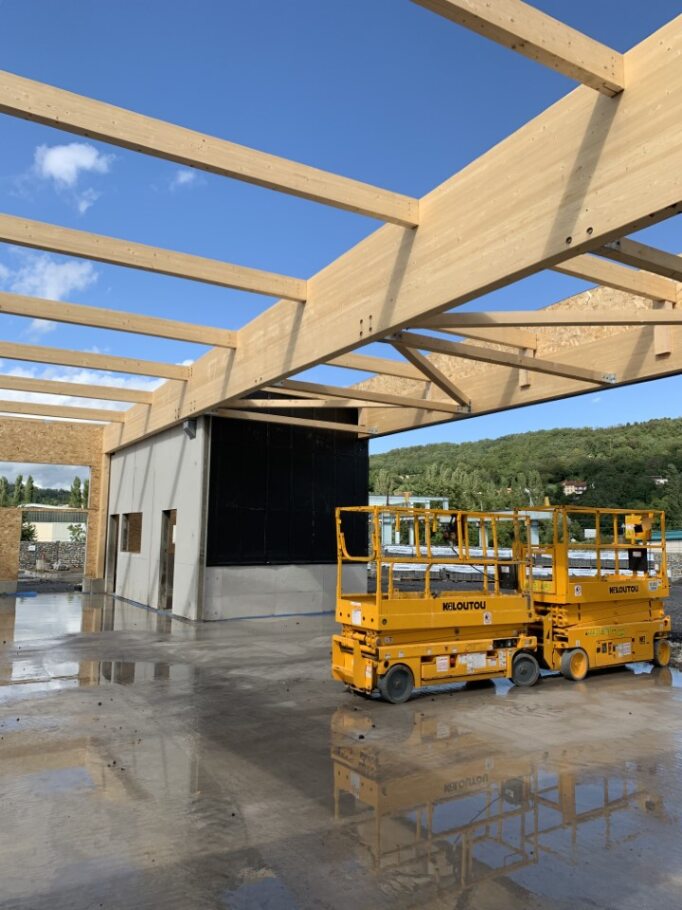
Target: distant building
[[574, 487], [660, 481], [52, 522], [389, 535]]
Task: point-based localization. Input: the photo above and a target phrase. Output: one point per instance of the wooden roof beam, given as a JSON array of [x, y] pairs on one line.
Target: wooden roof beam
[[556, 317], [502, 358], [365, 363], [511, 338], [116, 320], [35, 409], [433, 374], [73, 113], [259, 404], [641, 256], [540, 37], [235, 414], [644, 284], [74, 389], [69, 242], [38, 354], [293, 385]]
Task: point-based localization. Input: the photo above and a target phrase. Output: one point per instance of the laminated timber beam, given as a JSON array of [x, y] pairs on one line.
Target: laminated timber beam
[[292, 385], [38, 354], [536, 35], [365, 363], [554, 317], [358, 429], [641, 256], [644, 284], [74, 389], [433, 374], [260, 404], [512, 338], [630, 355], [474, 236], [69, 242], [74, 113], [35, 409], [118, 321], [503, 358]]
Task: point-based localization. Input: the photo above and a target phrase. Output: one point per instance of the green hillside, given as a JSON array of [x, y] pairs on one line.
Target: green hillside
[[629, 466]]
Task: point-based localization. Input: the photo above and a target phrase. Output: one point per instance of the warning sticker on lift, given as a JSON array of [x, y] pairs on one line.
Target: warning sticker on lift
[[577, 590], [653, 586], [624, 649], [474, 661], [442, 663], [487, 618], [356, 617]]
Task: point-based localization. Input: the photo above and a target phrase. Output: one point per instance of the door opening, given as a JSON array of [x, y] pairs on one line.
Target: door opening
[[112, 554], [167, 560]]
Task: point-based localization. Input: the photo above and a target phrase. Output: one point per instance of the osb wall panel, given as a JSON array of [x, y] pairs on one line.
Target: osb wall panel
[[59, 442], [10, 535]]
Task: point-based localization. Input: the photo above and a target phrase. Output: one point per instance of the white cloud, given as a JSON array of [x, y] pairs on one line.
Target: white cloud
[[4, 273], [42, 276], [40, 327], [182, 178], [86, 199], [65, 163]]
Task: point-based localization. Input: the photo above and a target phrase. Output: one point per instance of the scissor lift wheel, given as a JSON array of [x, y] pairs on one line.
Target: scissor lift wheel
[[575, 664], [396, 686], [525, 670]]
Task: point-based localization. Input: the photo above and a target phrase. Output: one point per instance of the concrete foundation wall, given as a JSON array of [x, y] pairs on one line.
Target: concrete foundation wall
[[161, 473], [231, 592]]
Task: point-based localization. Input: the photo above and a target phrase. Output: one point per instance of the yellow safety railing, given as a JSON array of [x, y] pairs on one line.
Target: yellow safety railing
[[473, 537]]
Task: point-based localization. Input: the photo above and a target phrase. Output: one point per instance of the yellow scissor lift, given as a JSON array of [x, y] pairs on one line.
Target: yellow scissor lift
[[397, 638], [599, 601], [543, 599]]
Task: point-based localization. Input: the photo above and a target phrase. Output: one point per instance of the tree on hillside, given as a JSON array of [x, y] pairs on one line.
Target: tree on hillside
[[18, 493], [385, 483], [76, 495], [29, 493], [4, 492], [671, 501], [85, 499]]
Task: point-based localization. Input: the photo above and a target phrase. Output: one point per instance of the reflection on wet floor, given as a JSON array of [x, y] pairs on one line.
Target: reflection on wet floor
[[222, 768]]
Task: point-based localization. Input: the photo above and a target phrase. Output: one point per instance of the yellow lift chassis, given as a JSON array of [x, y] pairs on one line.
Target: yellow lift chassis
[[480, 595]]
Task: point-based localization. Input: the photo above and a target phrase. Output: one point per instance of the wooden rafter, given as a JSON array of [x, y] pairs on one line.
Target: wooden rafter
[[117, 320], [433, 374], [641, 256], [359, 429], [536, 35], [555, 317], [502, 358], [67, 111], [512, 338], [35, 409], [41, 236], [644, 284], [365, 363], [39, 354], [260, 404], [291, 385], [74, 389]]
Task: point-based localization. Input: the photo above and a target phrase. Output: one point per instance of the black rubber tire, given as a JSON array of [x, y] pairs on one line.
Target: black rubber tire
[[662, 652], [568, 668], [396, 686], [525, 670]]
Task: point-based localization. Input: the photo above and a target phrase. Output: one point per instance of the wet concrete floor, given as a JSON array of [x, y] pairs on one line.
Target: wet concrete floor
[[151, 763]]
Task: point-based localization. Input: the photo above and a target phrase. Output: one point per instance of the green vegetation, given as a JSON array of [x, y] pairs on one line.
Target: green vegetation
[[630, 466], [20, 493]]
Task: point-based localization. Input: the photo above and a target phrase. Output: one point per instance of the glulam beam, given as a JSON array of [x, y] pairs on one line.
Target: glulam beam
[[35, 409], [405, 401], [433, 374], [83, 116], [69, 242], [540, 37], [358, 429], [74, 389], [116, 320], [612, 275], [551, 317], [641, 256], [366, 363], [504, 358], [10, 350]]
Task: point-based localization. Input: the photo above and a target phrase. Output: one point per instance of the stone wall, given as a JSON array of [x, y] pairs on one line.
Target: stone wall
[[70, 554], [675, 566]]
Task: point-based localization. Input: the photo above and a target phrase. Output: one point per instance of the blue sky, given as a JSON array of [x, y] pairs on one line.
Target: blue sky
[[382, 91]]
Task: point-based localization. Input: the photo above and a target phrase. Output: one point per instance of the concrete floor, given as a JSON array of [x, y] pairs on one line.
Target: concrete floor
[[150, 763]]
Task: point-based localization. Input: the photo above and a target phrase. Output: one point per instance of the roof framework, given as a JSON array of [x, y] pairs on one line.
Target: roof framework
[[562, 193]]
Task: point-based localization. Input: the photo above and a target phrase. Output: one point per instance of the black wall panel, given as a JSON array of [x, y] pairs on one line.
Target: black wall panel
[[273, 490]]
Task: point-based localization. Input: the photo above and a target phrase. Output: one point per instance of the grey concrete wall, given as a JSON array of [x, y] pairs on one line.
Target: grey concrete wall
[[160, 473], [231, 592]]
